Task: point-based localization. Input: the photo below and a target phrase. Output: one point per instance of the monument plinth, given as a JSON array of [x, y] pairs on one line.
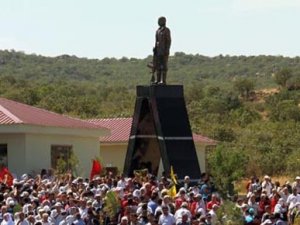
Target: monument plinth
[[161, 131]]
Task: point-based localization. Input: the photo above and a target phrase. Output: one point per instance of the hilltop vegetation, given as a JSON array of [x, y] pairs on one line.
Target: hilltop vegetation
[[228, 99]]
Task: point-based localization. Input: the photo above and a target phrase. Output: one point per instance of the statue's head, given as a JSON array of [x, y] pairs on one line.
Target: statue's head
[[162, 21]]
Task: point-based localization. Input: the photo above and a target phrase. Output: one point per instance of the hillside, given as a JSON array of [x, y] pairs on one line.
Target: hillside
[[230, 99], [184, 69], [87, 87]]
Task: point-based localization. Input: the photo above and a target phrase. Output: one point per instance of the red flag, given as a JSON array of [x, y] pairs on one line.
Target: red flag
[[6, 177], [96, 169]]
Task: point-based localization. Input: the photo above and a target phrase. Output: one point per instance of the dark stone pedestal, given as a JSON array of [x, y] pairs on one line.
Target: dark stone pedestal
[[161, 130]]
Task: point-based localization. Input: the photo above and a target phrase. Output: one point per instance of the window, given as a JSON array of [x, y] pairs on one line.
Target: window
[[3, 155], [60, 157]]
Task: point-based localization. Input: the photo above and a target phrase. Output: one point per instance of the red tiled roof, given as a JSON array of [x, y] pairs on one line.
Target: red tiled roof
[[12, 112], [4, 119], [120, 130], [202, 139]]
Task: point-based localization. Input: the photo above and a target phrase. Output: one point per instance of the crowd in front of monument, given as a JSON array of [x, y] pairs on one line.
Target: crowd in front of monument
[[141, 200]]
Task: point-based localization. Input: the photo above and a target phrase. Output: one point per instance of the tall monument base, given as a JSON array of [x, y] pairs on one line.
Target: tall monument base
[[161, 131]]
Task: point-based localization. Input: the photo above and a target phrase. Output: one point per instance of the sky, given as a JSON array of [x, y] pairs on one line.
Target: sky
[[126, 28]]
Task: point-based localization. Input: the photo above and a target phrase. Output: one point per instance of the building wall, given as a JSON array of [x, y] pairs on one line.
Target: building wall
[[200, 150], [38, 151], [113, 155], [15, 151]]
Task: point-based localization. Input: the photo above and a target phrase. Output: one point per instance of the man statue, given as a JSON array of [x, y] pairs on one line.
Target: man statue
[[161, 51]]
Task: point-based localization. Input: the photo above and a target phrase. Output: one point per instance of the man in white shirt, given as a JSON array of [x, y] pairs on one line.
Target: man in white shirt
[[183, 209], [296, 184], [293, 199], [213, 213], [267, 185], [55, 215], [21, 220], [45, 219], [284, 193], [166, 218], [122, 183]]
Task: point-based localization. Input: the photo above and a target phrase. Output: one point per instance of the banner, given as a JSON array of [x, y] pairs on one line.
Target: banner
[[172, 190], [96, 169], [172, 175], [6, 177]]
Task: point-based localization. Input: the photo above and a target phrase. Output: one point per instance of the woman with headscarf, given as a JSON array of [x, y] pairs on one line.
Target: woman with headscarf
[[7, 220], [281, 208]]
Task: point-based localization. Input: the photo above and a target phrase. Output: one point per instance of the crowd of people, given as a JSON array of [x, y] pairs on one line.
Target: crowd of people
[[107, 200], [270, 202]]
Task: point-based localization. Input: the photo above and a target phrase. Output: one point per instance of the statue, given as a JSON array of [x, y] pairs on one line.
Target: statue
[[161, 52]]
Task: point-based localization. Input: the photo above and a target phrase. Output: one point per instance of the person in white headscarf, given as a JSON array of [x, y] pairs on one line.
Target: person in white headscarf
[[280, 207], [7, 220]]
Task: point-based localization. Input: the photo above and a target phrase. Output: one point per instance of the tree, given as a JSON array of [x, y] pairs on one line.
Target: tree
[[244, 116], [72, 164], [293, 163], [294, 82], [229, 214], [268, 146], [285, 110], [282, 76], [244, 86], [225, 134], [227, 164]]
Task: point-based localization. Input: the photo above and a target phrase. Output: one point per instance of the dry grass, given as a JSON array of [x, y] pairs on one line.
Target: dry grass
[[241, 185], [262, 94]]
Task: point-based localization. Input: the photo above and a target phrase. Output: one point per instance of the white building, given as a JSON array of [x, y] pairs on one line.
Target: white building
[[32, 139]]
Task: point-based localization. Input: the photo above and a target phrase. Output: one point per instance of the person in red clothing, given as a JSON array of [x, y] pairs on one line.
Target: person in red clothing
[[197, 205], [181, 198], [214, 200], [194, 204], [274, 201], [264, 201], [128, 204]]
